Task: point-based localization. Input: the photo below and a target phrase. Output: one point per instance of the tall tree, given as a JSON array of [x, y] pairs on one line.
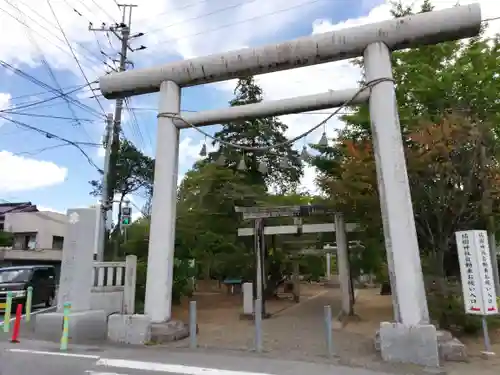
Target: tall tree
[[207, 224], [258, 133], [447, 105], [134, 173]]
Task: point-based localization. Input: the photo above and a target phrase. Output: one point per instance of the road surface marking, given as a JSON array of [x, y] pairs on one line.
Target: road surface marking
[[102, 373], [38, 352], [175, 369]]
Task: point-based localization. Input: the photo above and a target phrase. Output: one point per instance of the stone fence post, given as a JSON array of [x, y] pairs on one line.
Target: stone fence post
[[129, 287]]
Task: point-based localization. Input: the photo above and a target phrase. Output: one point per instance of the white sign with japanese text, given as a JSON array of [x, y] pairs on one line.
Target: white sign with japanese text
[[476, 272]]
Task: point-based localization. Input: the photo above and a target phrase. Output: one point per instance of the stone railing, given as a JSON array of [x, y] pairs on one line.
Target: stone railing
[[113, 288]]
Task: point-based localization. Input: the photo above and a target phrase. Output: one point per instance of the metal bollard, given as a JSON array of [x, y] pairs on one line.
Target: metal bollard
[[29, 299], [258, 325], [65, 332], [8, 310], [193, 339], [328, 330]]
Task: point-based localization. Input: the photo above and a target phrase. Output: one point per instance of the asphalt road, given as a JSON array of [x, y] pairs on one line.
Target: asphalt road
[[28, 359]]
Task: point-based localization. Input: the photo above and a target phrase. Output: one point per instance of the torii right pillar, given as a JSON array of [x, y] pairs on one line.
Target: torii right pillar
[[411, 338]]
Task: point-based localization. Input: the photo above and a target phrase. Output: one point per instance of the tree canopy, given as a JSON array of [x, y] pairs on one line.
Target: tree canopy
[[258, 133]]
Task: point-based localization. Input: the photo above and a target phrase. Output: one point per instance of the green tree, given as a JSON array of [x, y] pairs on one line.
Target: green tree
[[258, 133], [207, 223], [6, 239], [447, 104], [134, 174]]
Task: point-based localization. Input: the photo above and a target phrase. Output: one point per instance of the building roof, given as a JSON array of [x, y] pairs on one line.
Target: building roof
[[17, 207]]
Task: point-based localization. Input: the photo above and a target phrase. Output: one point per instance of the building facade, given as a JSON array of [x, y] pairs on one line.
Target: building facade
[[37, 237]]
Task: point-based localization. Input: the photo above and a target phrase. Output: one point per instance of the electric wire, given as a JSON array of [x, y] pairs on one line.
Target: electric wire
[[54, 136], [73, 52], [207, 31], [91, 53], [103, 10], [366, 86], [134, 123], [59, 145], [101, 50], [37, 213], [283, 10], [52, 75], [44, 92], [17, 107], [47, 116], [48, 87], [220, 10]]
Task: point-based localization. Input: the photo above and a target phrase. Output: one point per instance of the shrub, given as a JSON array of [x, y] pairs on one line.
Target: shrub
[[448, 313]]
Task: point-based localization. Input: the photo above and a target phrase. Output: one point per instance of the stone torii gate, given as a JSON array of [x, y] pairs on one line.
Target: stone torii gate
[[374, 42]]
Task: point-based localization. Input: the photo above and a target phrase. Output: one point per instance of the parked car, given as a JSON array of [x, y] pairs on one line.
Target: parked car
[[18, 279]]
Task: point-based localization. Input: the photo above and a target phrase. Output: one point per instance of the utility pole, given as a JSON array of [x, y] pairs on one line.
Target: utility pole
[[106, 204], [122, 32]]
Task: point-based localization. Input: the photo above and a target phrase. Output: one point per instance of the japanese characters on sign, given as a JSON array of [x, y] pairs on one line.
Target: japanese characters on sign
[[486, 274], [476, 271]]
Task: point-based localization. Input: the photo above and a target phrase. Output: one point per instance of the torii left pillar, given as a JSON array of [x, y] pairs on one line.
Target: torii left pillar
[[158, 304]]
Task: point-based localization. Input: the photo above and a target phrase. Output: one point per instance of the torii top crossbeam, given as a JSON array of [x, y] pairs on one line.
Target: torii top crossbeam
[[416, 30]]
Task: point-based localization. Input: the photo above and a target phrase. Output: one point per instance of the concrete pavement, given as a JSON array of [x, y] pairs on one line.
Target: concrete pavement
[[36, 358]]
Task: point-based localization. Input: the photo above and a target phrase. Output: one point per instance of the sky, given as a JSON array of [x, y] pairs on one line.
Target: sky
[[50, 47]]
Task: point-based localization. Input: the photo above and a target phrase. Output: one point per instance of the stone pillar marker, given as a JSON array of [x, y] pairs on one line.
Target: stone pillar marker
[[75, 283], [247, 299]]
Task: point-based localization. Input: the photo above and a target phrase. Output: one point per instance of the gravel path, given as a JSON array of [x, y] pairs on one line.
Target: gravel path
[[298, 333]]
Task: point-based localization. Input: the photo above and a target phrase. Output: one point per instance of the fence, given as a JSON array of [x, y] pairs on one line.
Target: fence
[[113, 287]]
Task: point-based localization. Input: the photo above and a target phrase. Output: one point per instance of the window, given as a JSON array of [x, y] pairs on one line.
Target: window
[[43, 274], [24, 241], [15, 275], [57, 242]]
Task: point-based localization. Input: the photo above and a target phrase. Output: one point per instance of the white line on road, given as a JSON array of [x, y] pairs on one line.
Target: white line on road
[[61, 354], [102, 373], [175, 369]]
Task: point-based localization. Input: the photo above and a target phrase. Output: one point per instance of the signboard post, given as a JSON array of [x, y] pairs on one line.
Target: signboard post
[[477, 277]]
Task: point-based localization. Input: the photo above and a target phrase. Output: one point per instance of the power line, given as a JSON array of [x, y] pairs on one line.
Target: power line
[[53, 136], [22, 106], [103, 10], [37, 213], [59, 145], [46, 92], [76, 123], [122, 32], [134, 123], [220, 10], [204, 32], [73, 53], [51, 33], [47, 116], [46, 86]]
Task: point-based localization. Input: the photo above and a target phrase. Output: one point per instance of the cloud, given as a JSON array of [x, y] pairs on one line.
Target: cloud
[[335, 76], [21, 173], [49, 209], [195, 29]]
